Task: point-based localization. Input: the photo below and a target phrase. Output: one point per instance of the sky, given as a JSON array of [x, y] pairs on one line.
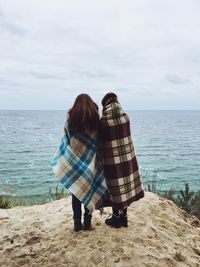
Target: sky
[[145, 51]]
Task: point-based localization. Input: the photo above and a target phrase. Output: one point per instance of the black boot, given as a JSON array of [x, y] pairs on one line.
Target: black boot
[[87, 223], [124, 220], [77, 226], [87, 220], [76, 207], [123, 217], [114, 221]]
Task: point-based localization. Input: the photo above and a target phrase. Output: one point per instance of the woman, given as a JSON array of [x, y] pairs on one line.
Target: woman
[[119, 160], [76, 162]]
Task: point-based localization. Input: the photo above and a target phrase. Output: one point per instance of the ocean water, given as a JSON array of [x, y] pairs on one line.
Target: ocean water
[[167, 144]]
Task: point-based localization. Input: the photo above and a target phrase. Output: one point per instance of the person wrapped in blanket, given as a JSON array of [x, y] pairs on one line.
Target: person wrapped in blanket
[[76, 162], [119, 160]]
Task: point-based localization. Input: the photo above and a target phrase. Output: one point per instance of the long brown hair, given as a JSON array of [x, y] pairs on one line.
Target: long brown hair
[[83, 117]]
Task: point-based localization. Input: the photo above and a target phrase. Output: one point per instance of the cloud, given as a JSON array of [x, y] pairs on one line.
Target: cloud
[[175, 79], [9, 27], [147, 53], [92, 74]]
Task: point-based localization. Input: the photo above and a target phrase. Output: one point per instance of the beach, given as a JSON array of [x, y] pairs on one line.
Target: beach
[[159, 234]]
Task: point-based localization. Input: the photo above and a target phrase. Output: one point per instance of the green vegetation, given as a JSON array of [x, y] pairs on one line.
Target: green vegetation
[[10, 202], [5, 202], [185, 199], [57, 195]]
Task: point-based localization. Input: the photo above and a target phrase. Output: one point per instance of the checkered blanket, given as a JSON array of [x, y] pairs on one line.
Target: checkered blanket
[[120, 163], [77, 165]]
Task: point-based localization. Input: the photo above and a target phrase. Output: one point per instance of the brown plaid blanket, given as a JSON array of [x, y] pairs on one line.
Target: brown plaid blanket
[[120, 163]]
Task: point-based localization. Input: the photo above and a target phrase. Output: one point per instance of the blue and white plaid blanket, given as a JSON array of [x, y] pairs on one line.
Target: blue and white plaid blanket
[[77, 165]]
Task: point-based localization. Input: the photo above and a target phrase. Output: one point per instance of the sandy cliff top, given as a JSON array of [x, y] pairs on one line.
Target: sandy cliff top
[[159, 234]]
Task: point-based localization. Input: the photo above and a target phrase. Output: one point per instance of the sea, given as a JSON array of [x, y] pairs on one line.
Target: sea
[[167, 144]]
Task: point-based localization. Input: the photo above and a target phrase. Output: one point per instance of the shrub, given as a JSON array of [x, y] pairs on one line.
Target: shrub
[[5, 203], [185, 198], [195, 205]]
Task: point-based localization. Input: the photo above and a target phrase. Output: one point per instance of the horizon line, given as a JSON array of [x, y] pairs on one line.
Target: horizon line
[[124, 109]]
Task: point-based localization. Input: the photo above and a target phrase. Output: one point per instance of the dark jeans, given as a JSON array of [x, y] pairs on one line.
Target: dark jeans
[[76, 207]]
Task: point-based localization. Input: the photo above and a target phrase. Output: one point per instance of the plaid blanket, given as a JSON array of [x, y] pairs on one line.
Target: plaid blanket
[[120, 163], [77, 165]]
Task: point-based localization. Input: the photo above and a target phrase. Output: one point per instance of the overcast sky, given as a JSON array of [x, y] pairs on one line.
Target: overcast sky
[[146, 51]]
